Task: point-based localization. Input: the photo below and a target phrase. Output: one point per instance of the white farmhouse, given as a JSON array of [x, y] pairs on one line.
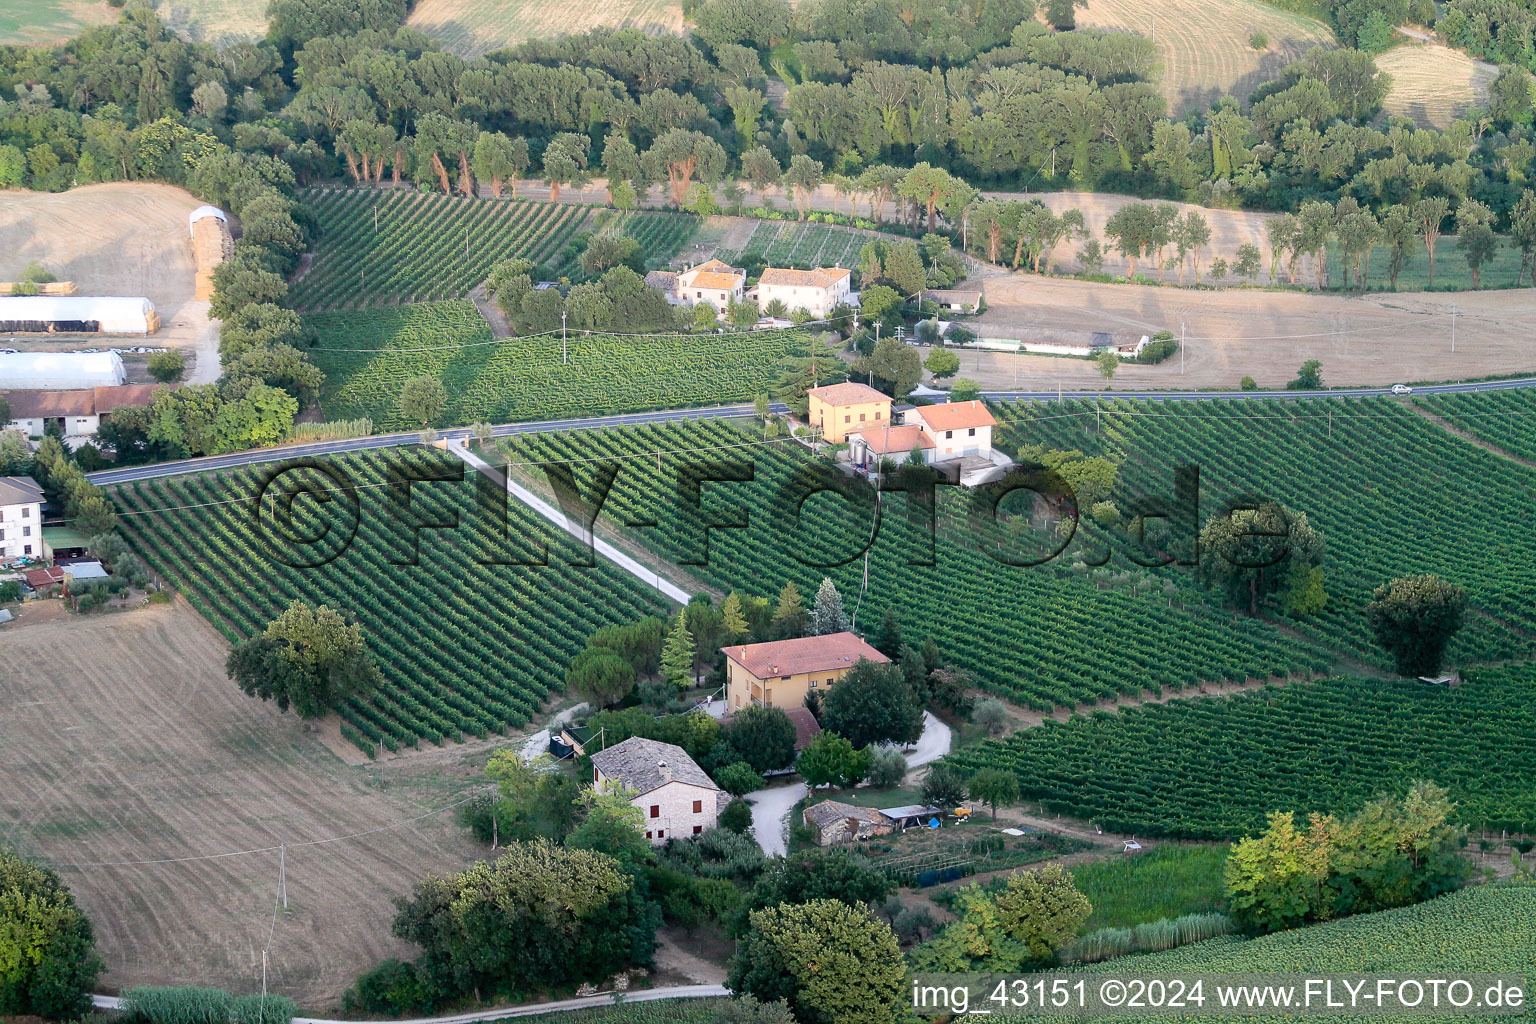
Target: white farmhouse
[[955, 429], [815, 291], [21, 518], [712, 281], [673, 793]]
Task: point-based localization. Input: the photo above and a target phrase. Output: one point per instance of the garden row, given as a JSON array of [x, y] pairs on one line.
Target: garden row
[[529, 378], [1214, 767], [787, 243], [382, 247], [1391, 493], [1045, 636], [466, 648]]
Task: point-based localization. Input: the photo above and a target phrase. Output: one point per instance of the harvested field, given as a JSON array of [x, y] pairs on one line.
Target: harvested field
[[472, 27], [1372, 339], [1434, 84], [214, 21], [1204, 43], [123, 741], [42, 22], [1229, 229], [123, 238]]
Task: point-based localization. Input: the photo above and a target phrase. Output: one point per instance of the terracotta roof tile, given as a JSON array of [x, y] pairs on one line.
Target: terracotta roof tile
[[711, 279], [807, 654], [821, 277], [894, 440], [955, 415], [848, 393]]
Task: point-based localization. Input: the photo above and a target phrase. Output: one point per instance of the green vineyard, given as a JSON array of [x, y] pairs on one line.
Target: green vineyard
[[1214, 767], [1486, 928], [1391, 493], [468, 647], [1505, 419], [795, 243], [1044, 636], [529, 378], [661, 235], [381, 247]]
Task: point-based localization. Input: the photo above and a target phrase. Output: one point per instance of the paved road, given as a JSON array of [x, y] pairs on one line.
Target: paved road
[[646, 995], [257, 456]]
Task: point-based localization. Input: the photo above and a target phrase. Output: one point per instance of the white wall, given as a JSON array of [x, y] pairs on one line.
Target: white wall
[[21, 526], [675, 816]]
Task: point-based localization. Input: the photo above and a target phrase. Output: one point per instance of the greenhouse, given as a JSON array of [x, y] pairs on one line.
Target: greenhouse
[[77, 314]]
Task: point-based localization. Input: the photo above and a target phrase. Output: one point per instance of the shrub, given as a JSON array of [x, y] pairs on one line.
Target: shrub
[[190, 1005], [1259, 41]]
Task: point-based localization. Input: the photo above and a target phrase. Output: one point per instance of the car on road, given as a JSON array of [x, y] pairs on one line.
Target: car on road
[[1401, 389]]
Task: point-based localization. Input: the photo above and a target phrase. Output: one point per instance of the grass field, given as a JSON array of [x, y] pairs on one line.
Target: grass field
[[525, 378], [794, 243], [1451, 271], [1167, 882], [122, 740], [36, 22], [473, 27], [1204, 43], [1434, 84], [214, 21], [1486, 928], [471, 640]]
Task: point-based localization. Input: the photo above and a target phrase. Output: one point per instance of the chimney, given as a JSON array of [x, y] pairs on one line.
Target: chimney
[[666, 773]]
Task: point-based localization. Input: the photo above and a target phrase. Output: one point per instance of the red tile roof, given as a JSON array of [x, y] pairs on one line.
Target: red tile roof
[[848, 393], [890, 440], [807, 654], [956, 415], [37, 579], [108, 399]]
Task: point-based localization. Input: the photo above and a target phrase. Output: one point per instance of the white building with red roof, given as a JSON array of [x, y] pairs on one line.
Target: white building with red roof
[[815, 291], [713, 281]]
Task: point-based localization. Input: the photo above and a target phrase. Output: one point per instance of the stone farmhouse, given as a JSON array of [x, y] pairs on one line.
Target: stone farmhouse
[[835, 822], [675, 795], [712, 281], [781, 673]]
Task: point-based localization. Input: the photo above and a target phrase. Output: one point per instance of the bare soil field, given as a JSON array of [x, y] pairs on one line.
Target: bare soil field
[[1363, 340], [1205, 43], [1434, 84], [122, 740], [122, 238], [473, 27]]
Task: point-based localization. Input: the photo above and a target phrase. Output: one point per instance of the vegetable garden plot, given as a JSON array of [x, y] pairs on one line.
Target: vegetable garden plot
[[466, 648], [1042, 636], [525, 378], [1214, 767], [1391, 493]]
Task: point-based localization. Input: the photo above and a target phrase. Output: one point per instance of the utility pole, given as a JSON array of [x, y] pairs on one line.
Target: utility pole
[[282, 873], [1183, 344], [562, 338], [1453, 328]]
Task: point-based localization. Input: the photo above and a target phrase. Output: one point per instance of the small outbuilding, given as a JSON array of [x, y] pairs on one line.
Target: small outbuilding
[[909, 816], [77, 314], [836, 822]]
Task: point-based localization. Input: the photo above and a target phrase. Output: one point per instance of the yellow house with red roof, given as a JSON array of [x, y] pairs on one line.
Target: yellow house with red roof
[[841, 409], [714, 282]]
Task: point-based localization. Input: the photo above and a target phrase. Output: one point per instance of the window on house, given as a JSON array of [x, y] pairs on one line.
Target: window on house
[[655, 810], [26, 531], [847, 418], [697, 829], [27, 550], [879, 415], [647, 835], [861, 417], [813, 684], [661, 833], [26, 513], [698, 807], [948, 434], [971, 432]]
